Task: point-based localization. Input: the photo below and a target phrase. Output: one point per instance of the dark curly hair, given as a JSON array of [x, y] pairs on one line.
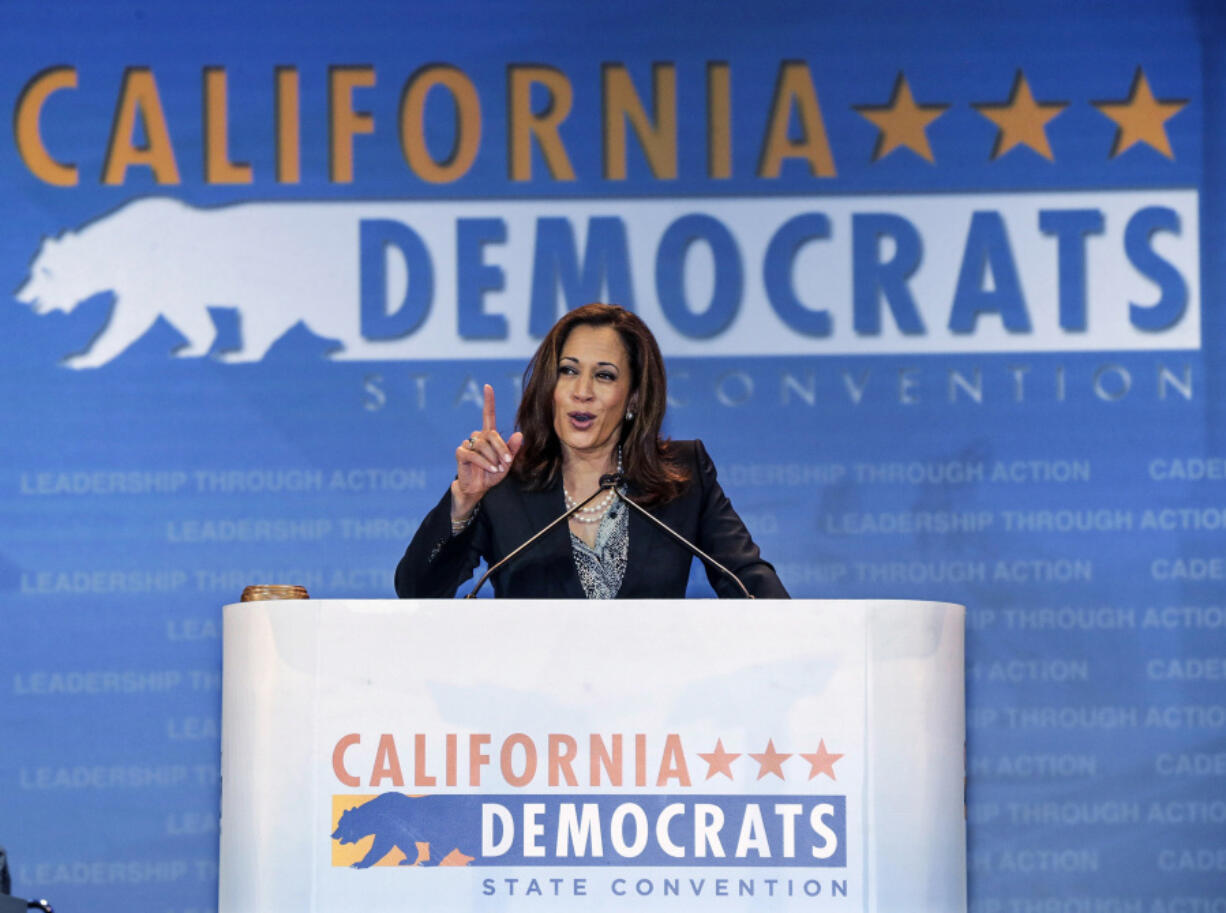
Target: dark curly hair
[[651, 473]]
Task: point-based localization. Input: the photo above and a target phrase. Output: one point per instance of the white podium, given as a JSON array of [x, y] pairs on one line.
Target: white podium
[[444, 755]]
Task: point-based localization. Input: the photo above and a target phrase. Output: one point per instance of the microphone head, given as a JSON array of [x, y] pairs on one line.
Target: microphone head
[[610, 480]]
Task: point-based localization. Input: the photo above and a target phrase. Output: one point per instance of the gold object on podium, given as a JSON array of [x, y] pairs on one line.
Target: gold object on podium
[[261, 591]]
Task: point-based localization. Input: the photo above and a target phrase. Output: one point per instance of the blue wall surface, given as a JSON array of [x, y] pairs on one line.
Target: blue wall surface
[[935, 283]]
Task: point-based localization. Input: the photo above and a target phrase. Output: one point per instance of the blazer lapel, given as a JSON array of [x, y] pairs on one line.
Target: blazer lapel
[[639, 555], [540, 509]]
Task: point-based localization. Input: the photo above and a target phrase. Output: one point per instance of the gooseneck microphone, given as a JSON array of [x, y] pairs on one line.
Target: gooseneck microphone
[[606, 482], [613, 481]]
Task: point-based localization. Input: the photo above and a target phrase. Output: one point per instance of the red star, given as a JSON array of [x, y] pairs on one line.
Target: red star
[[719, 761], [821, 761], [770, 761]]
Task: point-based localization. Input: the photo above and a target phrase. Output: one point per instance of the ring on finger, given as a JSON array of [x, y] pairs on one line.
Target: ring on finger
[[471, 443]]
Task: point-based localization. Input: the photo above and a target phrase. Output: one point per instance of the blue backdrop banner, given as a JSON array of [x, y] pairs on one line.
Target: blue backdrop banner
[[938, 285]]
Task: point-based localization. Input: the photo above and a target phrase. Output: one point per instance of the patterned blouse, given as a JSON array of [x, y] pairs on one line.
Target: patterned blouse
[[601, 568]]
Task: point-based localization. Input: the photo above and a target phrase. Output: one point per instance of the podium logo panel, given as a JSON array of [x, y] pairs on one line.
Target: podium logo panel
[[609, 800]]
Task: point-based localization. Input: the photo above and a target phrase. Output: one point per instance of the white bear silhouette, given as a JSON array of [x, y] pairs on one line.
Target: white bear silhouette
[[276, 263]]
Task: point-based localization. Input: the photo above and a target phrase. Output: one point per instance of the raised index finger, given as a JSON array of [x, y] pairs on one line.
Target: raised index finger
[[488, 422]]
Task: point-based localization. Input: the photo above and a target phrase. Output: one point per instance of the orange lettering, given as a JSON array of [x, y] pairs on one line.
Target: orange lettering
[[139, 97], [289, 169], [387, 762], [27, 126], [467, 119], [672, 762], [218, 169], [508, 773], [338, 759], [562, 751], [344, 122], [525, 125]]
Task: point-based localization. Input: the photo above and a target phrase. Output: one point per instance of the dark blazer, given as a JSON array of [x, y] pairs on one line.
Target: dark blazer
[[436, 563]]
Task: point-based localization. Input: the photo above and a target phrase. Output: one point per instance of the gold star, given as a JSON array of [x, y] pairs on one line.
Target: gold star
[[1141, 118], [1021, 119], [902, 122], [719, 761], [821, 761], [770, 761]]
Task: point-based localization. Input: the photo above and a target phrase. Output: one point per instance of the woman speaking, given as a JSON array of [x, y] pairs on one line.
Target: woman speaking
[[593, 403]]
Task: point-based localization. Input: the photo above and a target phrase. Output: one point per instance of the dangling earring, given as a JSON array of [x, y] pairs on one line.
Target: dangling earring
[[629, 415]]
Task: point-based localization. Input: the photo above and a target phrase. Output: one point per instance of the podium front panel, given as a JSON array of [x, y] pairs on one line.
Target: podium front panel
[[648, 755]]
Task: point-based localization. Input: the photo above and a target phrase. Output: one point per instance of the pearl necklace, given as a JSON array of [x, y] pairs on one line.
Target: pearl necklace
[[592, 514]]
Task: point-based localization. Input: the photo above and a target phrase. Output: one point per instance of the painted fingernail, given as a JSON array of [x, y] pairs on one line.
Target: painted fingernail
[[506, 458]]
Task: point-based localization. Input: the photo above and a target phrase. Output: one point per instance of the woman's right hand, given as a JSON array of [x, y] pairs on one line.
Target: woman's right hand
[[482, 461]]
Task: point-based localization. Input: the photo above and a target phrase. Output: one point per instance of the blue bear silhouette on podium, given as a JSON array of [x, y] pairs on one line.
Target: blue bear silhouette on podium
[[397, 820]]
